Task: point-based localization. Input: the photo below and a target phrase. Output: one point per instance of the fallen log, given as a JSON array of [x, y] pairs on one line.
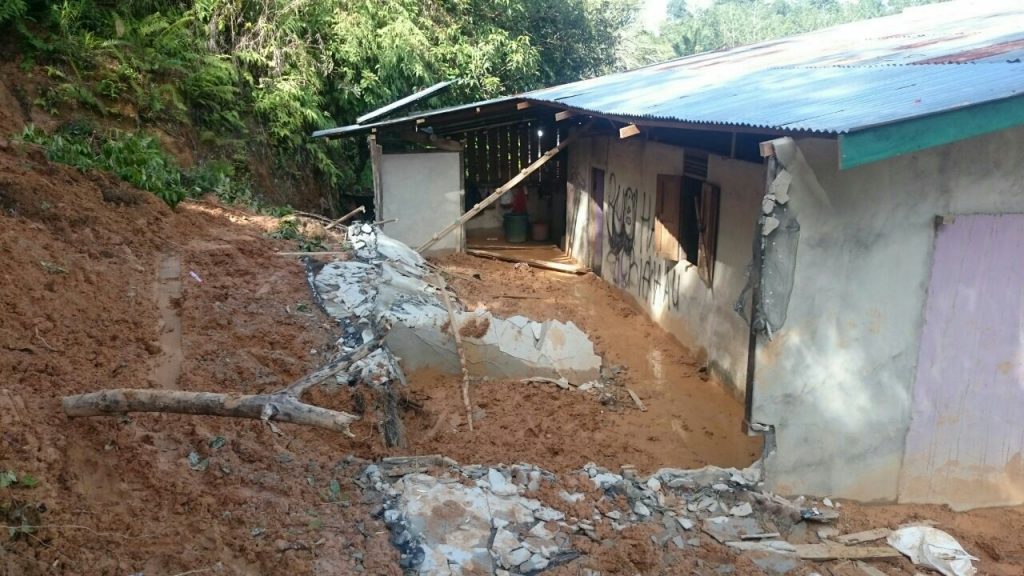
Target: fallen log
[[281, 406], [269, 407]]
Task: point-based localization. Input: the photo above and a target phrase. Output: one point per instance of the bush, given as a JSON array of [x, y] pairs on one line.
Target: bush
[[139, 160]]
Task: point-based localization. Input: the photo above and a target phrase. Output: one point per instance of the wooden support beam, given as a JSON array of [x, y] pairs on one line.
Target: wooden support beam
[[523, 174], [431, 140], [546, 265], [564, 115], [522, 105], [767, 149], [628, 131]]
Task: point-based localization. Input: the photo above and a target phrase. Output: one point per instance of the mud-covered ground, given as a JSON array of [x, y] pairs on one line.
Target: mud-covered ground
[[103, 286]]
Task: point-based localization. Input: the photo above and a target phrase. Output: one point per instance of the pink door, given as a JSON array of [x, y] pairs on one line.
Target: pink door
[[966, 436]]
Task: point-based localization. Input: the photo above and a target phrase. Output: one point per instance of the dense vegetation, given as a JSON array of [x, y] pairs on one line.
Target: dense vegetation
[[244, 82], [248, 78]]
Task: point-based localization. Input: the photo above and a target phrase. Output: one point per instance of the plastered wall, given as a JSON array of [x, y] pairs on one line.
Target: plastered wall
[[837, 381], [419, 184], [701, 317]]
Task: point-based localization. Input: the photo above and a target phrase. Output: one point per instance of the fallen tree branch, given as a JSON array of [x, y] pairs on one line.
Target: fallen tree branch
[[269, 407], [345, 218], [281, 406]]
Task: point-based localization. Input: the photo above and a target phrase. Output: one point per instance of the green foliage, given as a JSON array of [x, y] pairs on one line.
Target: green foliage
[[268, 73], [11, 479], [12, 10], [731, 23], [138, 159], [133, 156]]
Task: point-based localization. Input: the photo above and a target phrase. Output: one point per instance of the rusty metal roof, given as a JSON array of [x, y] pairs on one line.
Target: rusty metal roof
[[926, 60]]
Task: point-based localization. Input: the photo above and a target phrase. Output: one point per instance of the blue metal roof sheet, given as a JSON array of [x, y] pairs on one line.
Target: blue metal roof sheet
[[926, 60], [835, 99]]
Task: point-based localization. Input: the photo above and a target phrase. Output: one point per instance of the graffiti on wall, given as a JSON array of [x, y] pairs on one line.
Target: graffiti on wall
[[632, 263]]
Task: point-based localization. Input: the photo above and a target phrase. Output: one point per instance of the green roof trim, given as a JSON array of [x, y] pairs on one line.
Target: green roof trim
[[874, 144]]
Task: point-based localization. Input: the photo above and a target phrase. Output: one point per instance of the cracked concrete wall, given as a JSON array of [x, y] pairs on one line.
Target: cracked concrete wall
[[672, 293], [837, 381]]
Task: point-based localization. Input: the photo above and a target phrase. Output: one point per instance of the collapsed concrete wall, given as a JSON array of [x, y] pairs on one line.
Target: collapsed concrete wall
[[390, 285]]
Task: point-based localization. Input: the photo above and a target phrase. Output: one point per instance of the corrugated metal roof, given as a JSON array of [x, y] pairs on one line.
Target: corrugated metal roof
[[836, 80], [816, 99]]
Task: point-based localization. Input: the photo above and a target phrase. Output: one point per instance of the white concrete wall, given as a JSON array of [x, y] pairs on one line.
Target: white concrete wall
[[701, 317], [424, 191], [837, 380]]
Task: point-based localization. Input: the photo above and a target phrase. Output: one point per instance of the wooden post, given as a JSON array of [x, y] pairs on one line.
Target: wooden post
[[378, 187], [504, 188]]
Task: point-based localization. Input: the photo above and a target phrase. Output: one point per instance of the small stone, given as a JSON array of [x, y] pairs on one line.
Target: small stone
[[548, 514], [504, 544], [720, 487], [741, 510], [827, 502], [679, 542], [685, 523], [571, 498], [519, 556], [534, 484], [641, 509], [614, 514], [606, 480], [534, 564], [499, 485], [827, 532], [541, 531], [498, 523], [654, 484], [679, 483], [693, 541]]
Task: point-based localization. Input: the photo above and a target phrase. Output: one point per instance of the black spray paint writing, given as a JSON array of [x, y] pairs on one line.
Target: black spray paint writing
[[629, 223]]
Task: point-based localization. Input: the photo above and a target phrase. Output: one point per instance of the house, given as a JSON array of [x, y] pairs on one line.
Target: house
[[865, 181]]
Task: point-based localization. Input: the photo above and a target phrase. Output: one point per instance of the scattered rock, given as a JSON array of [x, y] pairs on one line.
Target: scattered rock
[[744, 509], [534, 564], [641, 510]]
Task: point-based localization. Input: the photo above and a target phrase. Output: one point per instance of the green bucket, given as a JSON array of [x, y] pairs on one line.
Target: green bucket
[[517, 227]]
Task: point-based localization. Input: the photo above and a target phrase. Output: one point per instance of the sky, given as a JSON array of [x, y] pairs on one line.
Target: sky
[[654, 11]]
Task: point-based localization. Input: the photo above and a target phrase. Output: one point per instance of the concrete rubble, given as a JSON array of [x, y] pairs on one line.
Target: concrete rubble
[[450, 519], [388, 287]]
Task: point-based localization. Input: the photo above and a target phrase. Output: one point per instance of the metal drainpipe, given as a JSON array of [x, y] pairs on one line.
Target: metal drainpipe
[[771, 169]]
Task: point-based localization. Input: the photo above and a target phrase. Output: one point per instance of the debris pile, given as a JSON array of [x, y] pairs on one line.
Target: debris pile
[[502, 520], [470, 520]]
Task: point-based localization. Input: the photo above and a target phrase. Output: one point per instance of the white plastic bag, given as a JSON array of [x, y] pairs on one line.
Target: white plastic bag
[[933, 548]]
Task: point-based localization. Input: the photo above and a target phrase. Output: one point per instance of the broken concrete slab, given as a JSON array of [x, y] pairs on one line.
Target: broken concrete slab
[[388, 284], [725, 529]]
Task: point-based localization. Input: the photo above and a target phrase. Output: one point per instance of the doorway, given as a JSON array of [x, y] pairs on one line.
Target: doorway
[[966, 439]]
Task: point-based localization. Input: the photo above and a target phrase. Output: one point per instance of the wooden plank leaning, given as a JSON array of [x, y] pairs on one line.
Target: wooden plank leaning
[[523, 174]]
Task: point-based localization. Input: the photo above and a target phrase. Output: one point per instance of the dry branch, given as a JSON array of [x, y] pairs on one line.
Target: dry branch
[[454, 325], [345, 218], [281, 406]]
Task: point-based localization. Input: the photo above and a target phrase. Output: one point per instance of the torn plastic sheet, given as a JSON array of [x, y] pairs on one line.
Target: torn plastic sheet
[[933, 548]]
